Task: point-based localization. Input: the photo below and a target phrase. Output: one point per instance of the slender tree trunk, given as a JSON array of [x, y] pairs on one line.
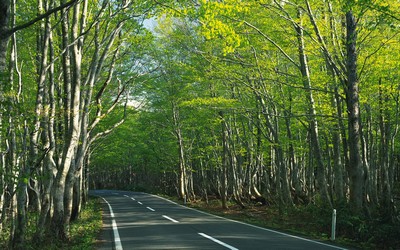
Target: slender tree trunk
[[372, 179], [277, 158], [321, 175], [294, 168], [337, 153], [72, 201], [235, 164], [60, 220], [33, 163], [4, 23], [225, 162], [7, 161], [2, 192], [66, 66], [49, 169], [182, 160], [20, 200], [384, 153]]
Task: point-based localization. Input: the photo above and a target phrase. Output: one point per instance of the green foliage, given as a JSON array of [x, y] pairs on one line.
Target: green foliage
[[209, 61], [84, 231], [216, 102], [214, 26]]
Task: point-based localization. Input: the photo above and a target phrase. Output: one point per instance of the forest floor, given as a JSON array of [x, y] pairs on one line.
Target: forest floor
[[303, 222]]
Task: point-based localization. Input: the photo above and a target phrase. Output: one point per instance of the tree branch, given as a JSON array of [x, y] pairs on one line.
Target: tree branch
[[272, 42], [11, 31]]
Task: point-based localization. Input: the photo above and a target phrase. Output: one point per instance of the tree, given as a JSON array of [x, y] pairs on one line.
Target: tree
[[45, 137]]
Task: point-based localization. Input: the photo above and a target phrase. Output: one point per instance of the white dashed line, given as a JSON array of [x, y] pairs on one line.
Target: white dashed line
[[140, 203], [149, 208], [169, 218], [133, 199], [218, 241], [117, 239], [250, 225]]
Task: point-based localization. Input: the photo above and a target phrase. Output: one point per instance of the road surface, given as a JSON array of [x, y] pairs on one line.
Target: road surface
[[136, 220]]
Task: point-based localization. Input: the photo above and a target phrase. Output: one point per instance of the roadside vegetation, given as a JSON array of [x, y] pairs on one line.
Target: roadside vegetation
[[295, 103], [84, 232], [312, 221]]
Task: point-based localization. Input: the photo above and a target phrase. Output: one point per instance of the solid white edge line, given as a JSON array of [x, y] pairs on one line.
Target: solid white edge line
[[218, 241], [149, 208], [243, 223], [169, 218], [117, 239]]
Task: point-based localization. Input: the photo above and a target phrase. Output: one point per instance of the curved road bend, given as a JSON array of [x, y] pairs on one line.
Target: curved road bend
[[142, 221]]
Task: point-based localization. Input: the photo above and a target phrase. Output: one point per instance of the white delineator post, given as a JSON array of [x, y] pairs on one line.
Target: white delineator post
[[333, 233]]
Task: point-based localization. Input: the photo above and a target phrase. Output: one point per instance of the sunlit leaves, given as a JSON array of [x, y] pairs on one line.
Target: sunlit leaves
[[218, 20], [216, 102]]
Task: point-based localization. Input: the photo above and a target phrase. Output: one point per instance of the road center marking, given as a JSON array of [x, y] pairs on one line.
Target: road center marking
[[126, 196], [218, 241], [140, 203], [169, 218], [133, 199], [117, 239], [149, 208]]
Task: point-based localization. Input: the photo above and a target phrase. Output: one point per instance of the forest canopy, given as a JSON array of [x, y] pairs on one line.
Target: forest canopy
[[294, 101]]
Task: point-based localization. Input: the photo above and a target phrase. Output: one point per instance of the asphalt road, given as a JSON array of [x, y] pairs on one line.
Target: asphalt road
[[135, 220]]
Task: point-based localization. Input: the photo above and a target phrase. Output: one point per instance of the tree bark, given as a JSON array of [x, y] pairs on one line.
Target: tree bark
[[384, 153], [355, 167], [225, 156], [60, 222], [4, 25], [181, 152]]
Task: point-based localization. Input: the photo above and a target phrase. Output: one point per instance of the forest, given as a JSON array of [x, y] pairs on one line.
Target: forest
[[295, 103]]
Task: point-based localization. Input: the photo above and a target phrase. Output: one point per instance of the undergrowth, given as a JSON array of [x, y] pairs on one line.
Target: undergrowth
[[314, 221], [83, 232]]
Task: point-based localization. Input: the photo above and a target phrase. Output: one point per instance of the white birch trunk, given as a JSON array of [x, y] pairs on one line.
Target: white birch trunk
[[60, 223]]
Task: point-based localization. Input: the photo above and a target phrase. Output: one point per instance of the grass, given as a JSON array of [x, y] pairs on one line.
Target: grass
[[83, 232]]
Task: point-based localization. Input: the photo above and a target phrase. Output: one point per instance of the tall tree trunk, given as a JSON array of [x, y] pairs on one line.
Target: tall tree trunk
[[4, 25], [49, 142], [384, 153], [282, 183], [321, 175], [235, 164], [72, 199], [66, 66], [355, 167], [34, 162], [181, 151], [225, 162], [60, 222], [6, 76]]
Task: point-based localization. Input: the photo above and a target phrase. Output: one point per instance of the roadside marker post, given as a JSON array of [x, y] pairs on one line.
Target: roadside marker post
[[333, 233]]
